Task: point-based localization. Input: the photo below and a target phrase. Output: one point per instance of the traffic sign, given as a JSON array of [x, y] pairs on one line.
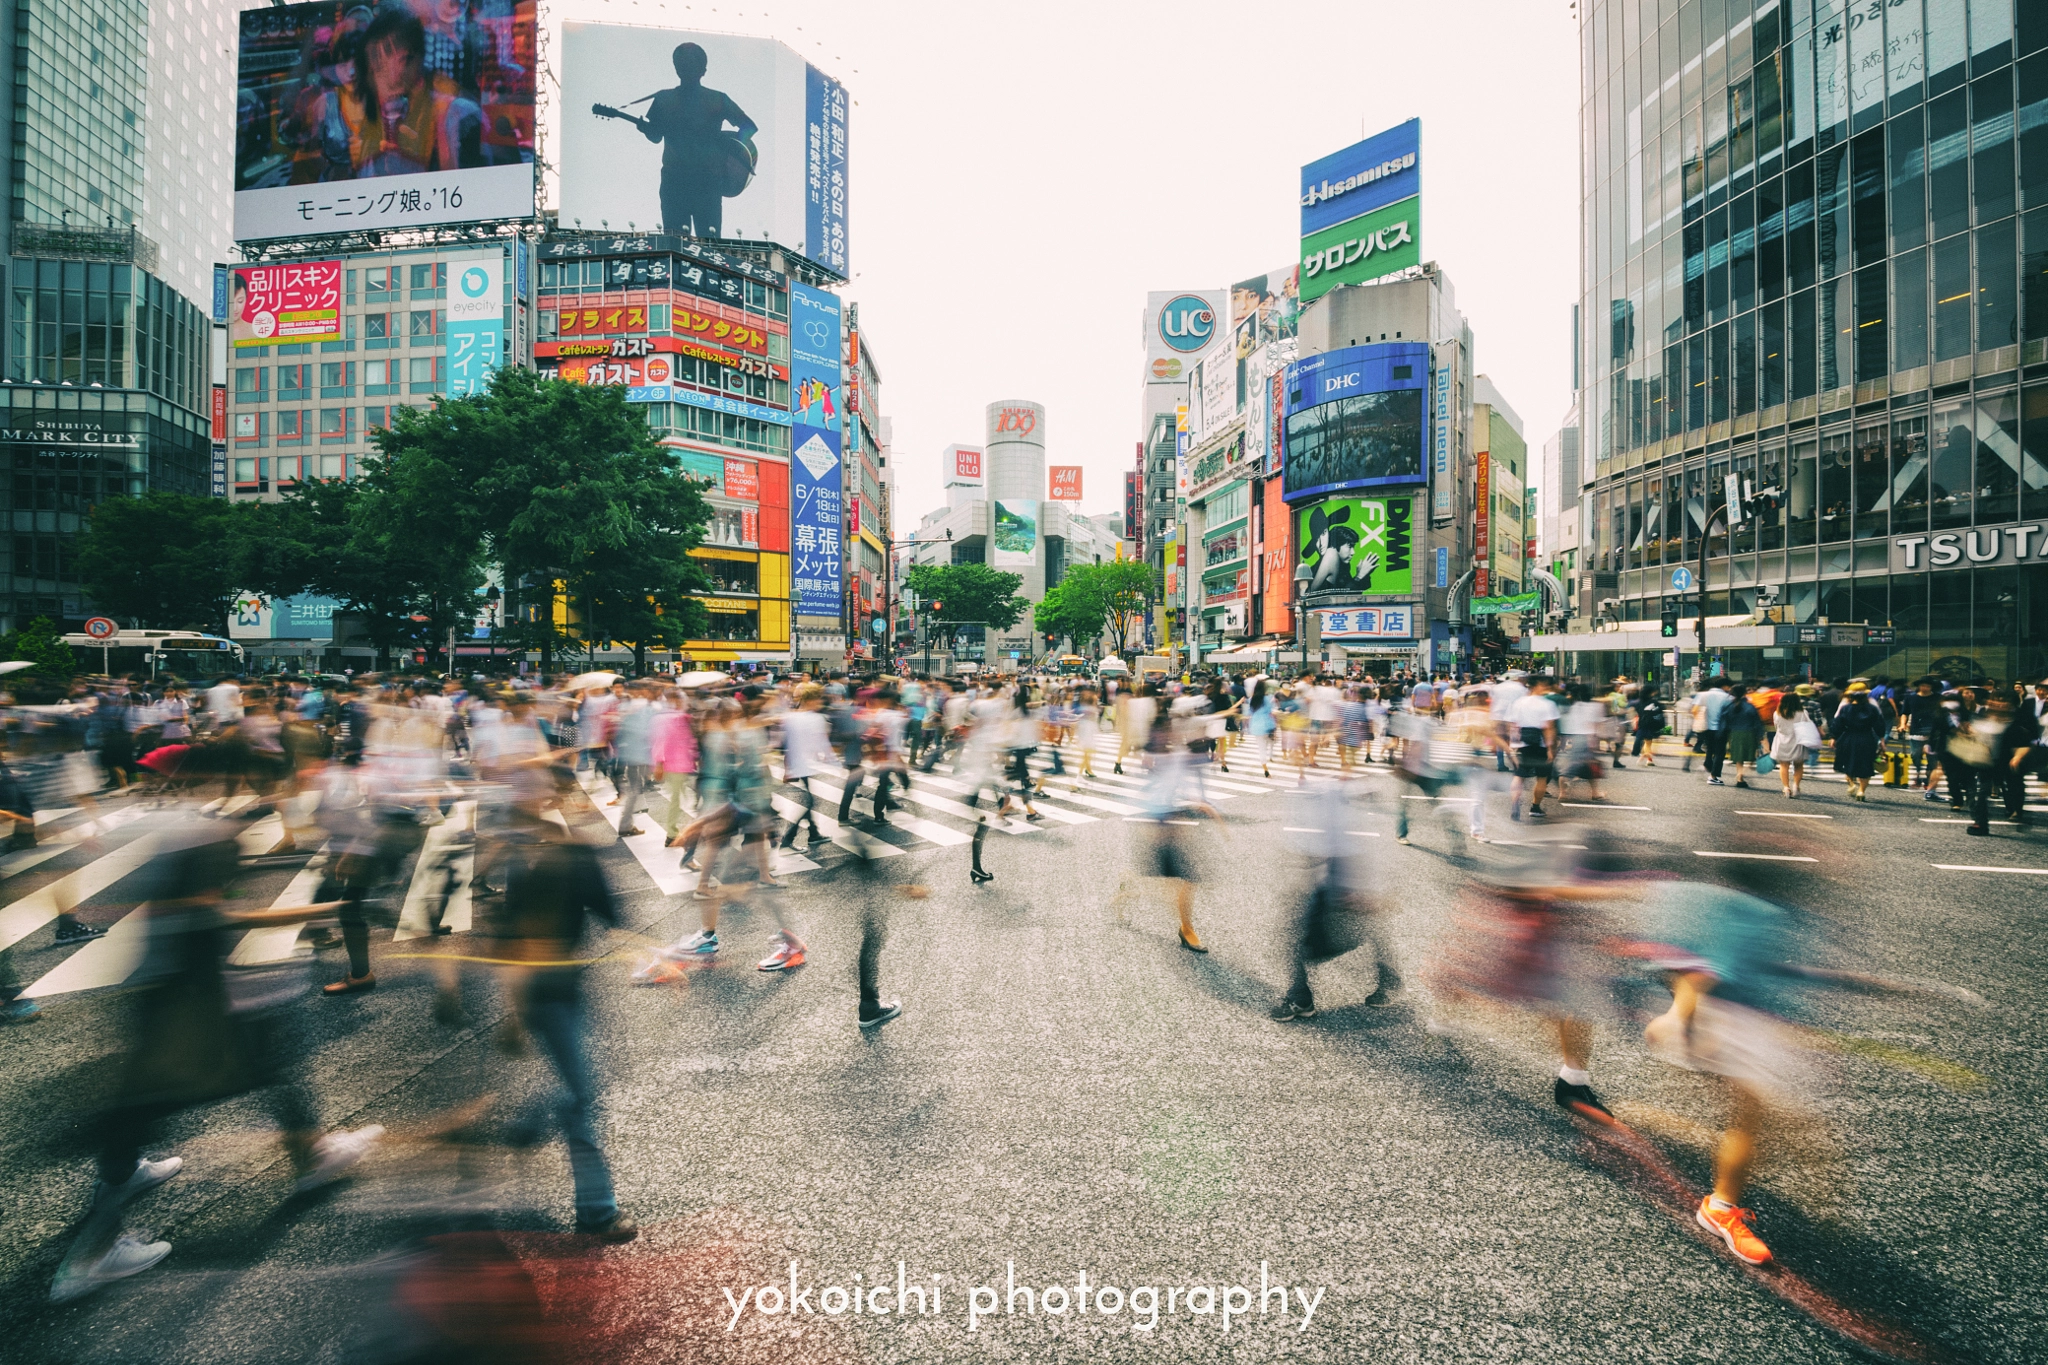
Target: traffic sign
[[101, 628], [1681, 579]]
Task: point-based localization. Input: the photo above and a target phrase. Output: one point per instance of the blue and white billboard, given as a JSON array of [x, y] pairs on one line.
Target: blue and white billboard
[[1355, 419], [1384, 169], [476, 321], [817, 500]]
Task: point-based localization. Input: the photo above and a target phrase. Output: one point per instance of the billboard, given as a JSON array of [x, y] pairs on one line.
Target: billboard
[[816, 500], [1361, 211], [1265, 309], [1066, 482], [270, 305], [1179, 326], [1016, 533], [963, 464], [412, 114], [1358, 545], [476, 321], [1370, 623], [1355, 418], [703, 135]]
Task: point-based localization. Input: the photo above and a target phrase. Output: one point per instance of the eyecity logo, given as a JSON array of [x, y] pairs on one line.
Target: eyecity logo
[[1187, 323], [474, 281], [1330, 189]]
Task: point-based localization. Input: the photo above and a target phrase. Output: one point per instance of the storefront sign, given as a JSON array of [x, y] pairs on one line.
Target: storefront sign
[[1369, 623], [743, 480], [2019, 542]]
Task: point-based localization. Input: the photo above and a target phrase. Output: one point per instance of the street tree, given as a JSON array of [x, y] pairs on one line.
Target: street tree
[[168, 561], [1097, 600], [1070, 612], [969, 592]]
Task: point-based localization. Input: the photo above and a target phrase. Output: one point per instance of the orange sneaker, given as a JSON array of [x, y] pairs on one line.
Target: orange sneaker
[[1733, 1226]]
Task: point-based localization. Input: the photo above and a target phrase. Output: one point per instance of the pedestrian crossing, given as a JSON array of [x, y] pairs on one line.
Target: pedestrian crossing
[[88, 853]]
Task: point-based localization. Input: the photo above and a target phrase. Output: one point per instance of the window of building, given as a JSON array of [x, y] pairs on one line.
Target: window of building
[[381, 331], [380, 283], [732, 575], [251, 383], [292, 426], [423, 373], [336, 425], [425, 325], [428, 281], [293, 381], [251, 429], [338, 379], [378, 377]]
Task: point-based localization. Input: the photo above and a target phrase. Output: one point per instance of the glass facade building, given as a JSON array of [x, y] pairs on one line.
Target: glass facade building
[[1815, 265]]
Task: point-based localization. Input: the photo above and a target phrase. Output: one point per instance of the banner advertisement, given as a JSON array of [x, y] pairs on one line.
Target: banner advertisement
[[1276, 420], [816, 505], [1504, 606], [1482, 499], [1219, 388], [1361, 211], [271, 305], [640, 143], [1015, 535], [1179, 326], [1443, 378], [1134, 507], [1265, 308], [411, 114], [476, 321], [1370, 623], [743, 480], [1066, 482], [1358, 545]]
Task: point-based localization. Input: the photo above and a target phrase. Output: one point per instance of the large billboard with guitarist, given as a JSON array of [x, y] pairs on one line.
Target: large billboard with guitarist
[[702, 135], [355, 117]]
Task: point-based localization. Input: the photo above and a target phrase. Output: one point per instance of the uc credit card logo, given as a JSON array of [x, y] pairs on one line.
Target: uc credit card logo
[[1187, 323]]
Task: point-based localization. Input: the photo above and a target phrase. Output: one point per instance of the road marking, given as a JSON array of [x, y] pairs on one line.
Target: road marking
[[1298, 829], [1598, 805], [1927, 821], [1447, 800], [1763, 857], [1971, 867], [38, 908], [435, 859], [1785, 814], [1362, 833], [1148, 820], [943, 835]]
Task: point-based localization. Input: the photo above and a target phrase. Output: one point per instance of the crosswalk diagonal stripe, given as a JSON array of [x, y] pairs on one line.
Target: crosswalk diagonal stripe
[[929, 829], [39, 907]]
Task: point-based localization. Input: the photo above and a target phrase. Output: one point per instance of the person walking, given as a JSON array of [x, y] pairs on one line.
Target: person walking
[[1711, 707], [1649, 725], [1745, 726], [806, 749], [675, 761], [1533, 723], [1795, 738], [1859, 728]]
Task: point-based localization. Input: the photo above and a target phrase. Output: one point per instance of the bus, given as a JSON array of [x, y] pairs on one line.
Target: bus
[[1070, 666], [158, 653]]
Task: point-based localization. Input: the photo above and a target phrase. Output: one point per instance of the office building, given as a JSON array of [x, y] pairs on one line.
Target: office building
[[1815, 282]]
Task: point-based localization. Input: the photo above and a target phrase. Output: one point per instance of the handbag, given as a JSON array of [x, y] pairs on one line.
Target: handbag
[[1806, 733], [1764, 763]]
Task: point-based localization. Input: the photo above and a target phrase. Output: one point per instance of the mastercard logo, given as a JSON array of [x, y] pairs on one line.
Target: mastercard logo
[[658, 370], [1166, 368]]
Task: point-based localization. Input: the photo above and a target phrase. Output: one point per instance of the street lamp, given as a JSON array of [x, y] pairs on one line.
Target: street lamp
[[1302, 578]]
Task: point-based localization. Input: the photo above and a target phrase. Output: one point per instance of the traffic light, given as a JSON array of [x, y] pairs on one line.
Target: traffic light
[[1670, 628]]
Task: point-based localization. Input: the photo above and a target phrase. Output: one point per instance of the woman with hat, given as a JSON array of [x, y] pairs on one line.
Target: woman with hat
[[1859, 728], [1796, 738]]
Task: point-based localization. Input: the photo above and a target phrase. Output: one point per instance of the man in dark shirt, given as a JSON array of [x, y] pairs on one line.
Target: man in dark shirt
[[1922, 716], [690, 121], [553, 884]]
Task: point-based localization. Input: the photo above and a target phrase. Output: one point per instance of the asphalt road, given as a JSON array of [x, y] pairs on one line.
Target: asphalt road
[[1069, 1091]]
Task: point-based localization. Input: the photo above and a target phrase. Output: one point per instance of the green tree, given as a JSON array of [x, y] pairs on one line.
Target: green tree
[[164, 560], [969, 592], [1066, 611], [40, 644], [1122, 590]]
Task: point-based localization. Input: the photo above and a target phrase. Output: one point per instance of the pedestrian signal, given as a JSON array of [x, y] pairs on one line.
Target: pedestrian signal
[[1670, 623]]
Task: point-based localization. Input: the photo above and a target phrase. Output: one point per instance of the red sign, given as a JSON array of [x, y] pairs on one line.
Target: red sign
[[750, 522], [704, 327], [220, 412], [274, 304], [966, 463], [1480, 551], [743, 480], [853, 506], [1066, 482], [100, 628], [631, 374], [1022, 421]]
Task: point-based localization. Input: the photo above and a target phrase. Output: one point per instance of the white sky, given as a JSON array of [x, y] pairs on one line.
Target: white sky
[[1023, 174]]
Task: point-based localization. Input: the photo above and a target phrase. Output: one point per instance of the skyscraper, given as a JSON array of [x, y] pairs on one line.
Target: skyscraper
[[1813, 253]]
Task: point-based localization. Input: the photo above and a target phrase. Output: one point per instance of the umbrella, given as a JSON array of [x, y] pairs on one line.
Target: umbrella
[[582, 682], [16, 666], [703, 677]]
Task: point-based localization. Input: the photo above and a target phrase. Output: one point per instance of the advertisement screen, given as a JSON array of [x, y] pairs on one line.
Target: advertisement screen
[[1361, 211], [410, 114], [1355, 418], [1016, 533], [817, 507], [703, 135], [1358, 545], [270, 305]]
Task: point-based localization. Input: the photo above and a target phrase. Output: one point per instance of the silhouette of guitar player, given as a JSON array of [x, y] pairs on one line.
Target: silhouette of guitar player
[[702, 164]]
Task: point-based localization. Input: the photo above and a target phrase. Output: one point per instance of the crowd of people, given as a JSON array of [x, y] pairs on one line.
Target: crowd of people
[[725, 775]]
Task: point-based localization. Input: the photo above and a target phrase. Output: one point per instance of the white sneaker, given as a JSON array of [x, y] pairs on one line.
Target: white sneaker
[[130, 1255], [335, 1153], [699, 944], [148, 1175]]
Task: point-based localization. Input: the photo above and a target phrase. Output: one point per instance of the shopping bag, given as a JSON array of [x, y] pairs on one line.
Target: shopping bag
[[1764, 763]]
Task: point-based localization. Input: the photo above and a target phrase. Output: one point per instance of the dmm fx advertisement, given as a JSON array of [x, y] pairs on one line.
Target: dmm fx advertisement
[[476, 321], [1361, 211], [816, 504], [1358, 545]]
